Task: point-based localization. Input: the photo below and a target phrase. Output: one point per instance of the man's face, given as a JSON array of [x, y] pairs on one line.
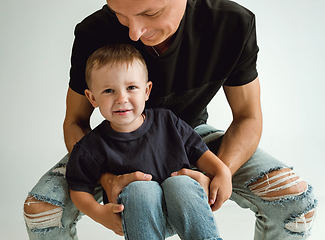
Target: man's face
[[151, 21]]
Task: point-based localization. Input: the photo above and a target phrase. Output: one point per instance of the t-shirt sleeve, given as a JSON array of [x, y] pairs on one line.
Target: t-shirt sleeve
[[245, 69], [90, 34], [194, 145], [83, 172], [84, 45]]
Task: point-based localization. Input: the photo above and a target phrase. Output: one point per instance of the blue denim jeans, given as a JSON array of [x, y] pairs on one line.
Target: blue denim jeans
[[179, 205], [279, 218]]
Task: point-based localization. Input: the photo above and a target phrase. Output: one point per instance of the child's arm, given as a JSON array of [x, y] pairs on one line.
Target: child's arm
[[220, 186], [107, 215]]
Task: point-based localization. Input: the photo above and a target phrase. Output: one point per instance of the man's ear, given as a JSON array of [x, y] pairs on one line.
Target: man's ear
[[148, 89], [91, 98]]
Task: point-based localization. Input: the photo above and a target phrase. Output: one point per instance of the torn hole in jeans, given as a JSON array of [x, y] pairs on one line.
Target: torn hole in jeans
[[302, 224], [47, 219], [279, 184], [60, 170], [42, 221]]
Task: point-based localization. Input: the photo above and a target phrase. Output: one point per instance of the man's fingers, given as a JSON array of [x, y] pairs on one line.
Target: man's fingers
[[183, 171], [196, 175], [117, 208], [202, 179], [126, 179], [115, 184], [139, 176], [218, 203], [213, 197]]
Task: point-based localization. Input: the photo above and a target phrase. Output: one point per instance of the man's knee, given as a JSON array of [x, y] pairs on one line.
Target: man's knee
[[300, 224], [41, 215], [279, 184], [284, 185]]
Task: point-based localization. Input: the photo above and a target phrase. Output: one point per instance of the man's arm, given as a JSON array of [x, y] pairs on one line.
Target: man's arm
[[77, 119], [243, 135]]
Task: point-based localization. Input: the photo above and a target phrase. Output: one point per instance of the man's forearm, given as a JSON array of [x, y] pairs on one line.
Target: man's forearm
[[240, 142], [73, 133], [77, 118]]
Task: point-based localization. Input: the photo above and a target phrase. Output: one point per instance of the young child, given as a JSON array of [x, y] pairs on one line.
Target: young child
[[153, 141]]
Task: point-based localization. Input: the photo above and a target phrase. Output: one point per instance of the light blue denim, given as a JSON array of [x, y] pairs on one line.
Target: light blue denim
[[179, 205], [271, 216]]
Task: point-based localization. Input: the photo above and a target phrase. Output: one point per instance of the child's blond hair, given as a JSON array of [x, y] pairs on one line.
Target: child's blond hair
[[111, 55]]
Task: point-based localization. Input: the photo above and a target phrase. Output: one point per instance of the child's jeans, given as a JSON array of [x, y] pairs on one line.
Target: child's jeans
[[279, 217], [179, 205]]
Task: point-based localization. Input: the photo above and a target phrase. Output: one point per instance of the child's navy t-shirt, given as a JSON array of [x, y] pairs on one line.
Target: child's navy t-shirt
[[162, 145]]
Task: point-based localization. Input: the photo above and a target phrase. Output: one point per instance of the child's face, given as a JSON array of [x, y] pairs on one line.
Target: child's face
[[120, 92]]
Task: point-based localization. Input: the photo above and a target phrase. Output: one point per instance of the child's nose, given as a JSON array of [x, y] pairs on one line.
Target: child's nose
[[121, 98]]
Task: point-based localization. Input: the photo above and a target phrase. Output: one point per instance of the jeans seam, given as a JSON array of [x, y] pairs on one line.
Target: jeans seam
[[258, 209], [73, 222]]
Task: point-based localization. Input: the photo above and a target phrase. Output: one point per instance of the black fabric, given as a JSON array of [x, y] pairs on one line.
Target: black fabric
[[162, 145], [215, 45]]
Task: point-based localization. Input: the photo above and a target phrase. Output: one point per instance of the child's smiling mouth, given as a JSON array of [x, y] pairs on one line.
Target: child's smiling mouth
[[122, 111]]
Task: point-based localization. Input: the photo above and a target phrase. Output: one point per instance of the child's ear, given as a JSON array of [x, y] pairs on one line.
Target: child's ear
[[91, 98], [148, 89]]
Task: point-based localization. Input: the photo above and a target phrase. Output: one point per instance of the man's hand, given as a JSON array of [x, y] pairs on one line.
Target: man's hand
[[113, 185], [202, 179]]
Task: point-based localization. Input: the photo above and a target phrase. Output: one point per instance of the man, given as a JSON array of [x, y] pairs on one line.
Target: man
[[192, 48]]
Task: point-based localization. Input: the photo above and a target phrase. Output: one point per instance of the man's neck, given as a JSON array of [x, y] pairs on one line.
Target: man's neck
[[161, 47]]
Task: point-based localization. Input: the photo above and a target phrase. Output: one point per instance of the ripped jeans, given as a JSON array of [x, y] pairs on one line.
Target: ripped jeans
[[283, 203]]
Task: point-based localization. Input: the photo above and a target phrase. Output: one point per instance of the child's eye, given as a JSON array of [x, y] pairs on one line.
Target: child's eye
[[131, 88], [108, 90]]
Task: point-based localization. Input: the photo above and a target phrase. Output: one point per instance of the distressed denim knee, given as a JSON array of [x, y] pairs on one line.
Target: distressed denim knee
[[283, 203], [48, 210], [283, 186], [41, 215]]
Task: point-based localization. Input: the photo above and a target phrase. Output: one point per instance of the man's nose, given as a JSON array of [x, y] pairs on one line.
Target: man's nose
[[136, 28]]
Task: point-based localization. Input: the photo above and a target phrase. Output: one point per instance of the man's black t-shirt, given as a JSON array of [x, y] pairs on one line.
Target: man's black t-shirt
[[215, 45]]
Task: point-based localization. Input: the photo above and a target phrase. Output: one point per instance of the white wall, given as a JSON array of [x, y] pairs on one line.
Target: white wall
[[35, 44]]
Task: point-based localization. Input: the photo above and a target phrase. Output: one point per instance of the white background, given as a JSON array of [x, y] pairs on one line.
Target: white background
[[35, 45]]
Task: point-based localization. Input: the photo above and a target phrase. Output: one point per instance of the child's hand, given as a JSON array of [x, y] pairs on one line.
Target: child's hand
[[220, 186], [220, 189], [109, 216]]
